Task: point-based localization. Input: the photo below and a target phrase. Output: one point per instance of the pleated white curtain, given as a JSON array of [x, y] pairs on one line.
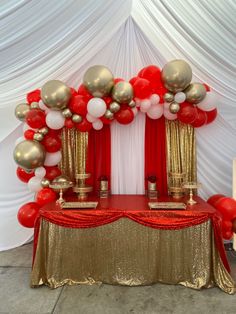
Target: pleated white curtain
[[43, 40]]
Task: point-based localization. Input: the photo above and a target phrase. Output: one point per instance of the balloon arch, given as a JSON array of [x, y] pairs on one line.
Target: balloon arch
[[101, 99]]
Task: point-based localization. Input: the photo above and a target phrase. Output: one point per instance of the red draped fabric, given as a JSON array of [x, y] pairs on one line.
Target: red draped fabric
[[99, 156], [155, 153]]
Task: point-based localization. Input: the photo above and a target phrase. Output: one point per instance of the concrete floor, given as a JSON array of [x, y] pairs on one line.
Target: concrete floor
[[17, 297]]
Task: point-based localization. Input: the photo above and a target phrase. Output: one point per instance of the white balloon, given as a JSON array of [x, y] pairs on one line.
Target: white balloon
[[96, 107], [90, 118], [42, 106], [209, 102], [169, 115], [166, 105], [180, 97], [155, 112], [40, 172], [20, 139], [52, 159], [55, 120], [97, 125], [155, 99], [135, 111], [34, 184], [145, 105]]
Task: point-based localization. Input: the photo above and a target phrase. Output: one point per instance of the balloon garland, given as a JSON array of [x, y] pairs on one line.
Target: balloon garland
[[100, 100]]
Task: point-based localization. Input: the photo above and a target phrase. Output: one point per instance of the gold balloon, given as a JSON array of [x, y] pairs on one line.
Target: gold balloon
[[55, 94], [109, 115], [176, 75], [114, 107], [169, 97], [34, 105], [76, 118], [43, 131], [38, 137], [98, 80], [21, 111], [45, 183], [174, 107], [132, 104], [195, 93], [67, 113], [29, 154], [123, 92]]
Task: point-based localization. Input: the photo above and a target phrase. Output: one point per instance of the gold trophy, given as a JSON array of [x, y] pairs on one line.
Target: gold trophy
[[60, 185], [191, 186]]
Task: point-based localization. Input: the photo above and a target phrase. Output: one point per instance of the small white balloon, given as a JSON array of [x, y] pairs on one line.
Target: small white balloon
[[155, 112], [34, 184], [180, 97], [209, 102], [96, 107], [166, 105], [40, 172], [135, 111], [43, 107], [154, 99], [97, 125], [55, 119], [52, 159], [19, 140], [90, 118], [145, 105], [169, 116]]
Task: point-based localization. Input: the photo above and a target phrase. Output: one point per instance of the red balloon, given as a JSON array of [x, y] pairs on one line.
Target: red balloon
[[207, 87], [108, 100], [78, 104], [227, 235], [45, 196], [227, 207], [105, 120], [200, 120], [69, 123], [29, 134], [35, 118], [33, 96], [142, 88], [52, 143], [211, 115], [54, 132], [214, 198], [84, 126], [73, 92], [27, 214], [118, 79], [227, 225], [153, 74], [84, 92], [133, 80], [52, 172], [124, 116], [187, 113], [23, 175]]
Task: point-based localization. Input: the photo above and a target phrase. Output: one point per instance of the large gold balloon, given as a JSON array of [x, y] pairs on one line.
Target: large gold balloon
[[176, 75], [55, 94], [98, 80], [29, 154], [122, 92], [174, 107], [195, 93], [21, 111]]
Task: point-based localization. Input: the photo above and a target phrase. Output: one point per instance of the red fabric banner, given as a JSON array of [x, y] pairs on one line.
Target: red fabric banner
[[155, 153], [99, 156]]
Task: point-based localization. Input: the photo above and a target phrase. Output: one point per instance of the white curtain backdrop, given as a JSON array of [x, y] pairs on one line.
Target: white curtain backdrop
[[43, 40]]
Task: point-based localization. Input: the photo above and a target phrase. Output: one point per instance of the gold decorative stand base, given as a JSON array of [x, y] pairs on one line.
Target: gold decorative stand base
[[81, 189], [60, 185], [191, 186]]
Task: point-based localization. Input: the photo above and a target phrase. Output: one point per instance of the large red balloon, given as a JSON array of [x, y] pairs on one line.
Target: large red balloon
[[125, 116], [78, 104], [227, 235], [214, 198], [200, 120], [142, 88], [35, 118], [73, 92], [29, 134], [52, 172], [227, 225], [27, 214], [84, 126], [153, 74], [84, 92], [52, 143], [211, 115], [45, 196], [23, 175], [33, 96], [187, 113], [227, 207], [133, 80]]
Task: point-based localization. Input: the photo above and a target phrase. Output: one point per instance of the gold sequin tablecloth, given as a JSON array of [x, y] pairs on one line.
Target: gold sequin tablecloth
[[125, 252]]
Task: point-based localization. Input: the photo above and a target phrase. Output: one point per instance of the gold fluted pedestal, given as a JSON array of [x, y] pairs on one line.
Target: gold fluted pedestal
[[191, 186], [81, 188], [60, 185]]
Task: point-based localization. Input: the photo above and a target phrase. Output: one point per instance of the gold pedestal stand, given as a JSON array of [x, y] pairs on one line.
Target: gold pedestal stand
[[176, 180], [81, 188], [191, 186], [60, 185]]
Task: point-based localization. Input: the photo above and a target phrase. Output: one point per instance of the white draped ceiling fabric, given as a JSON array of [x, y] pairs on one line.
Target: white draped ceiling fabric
[[43, 40]]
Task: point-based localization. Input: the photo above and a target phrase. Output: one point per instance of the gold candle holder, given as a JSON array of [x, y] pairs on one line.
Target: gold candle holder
[[191, 186], [60, 185], [81, 188]]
